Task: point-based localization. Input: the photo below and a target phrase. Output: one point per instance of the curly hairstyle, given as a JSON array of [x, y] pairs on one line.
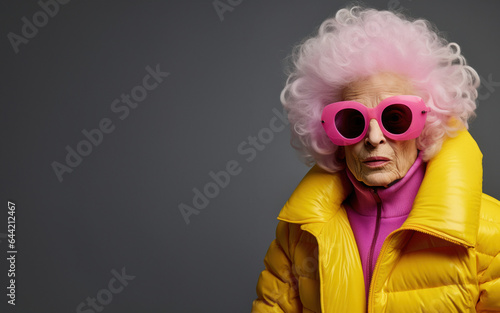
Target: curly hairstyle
[[358, 43]]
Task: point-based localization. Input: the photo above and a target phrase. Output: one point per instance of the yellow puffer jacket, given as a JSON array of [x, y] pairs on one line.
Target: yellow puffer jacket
[[445, 257]]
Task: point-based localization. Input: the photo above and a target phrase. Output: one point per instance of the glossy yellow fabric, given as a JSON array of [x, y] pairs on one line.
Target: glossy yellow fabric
[[444, 258]]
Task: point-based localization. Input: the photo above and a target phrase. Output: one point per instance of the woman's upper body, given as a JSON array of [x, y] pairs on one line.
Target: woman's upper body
[[444, 258], [372, 99]]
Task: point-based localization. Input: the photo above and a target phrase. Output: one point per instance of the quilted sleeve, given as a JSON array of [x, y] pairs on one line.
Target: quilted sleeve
[[489, 256], [277, 288], [489, 288]]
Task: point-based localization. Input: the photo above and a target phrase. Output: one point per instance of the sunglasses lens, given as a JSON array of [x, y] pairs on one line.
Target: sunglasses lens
[[396, 118], [350, 123]]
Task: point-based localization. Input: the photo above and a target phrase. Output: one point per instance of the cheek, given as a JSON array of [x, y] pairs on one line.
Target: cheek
[[352, 157], [405, 153]]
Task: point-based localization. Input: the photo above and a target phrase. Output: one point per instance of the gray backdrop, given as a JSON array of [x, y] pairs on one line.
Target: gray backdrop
[[108, 226]]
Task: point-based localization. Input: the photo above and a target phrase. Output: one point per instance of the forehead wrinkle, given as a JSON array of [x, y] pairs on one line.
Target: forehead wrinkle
[[372, 90]]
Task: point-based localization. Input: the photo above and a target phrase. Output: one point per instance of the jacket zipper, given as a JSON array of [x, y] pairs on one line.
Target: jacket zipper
[[384, 247], [376, 233]]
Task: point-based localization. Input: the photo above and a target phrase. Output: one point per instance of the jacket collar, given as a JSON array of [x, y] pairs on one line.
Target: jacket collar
[[447, 204]]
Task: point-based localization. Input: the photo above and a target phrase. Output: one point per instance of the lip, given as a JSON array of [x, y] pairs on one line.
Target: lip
[[376, 161]]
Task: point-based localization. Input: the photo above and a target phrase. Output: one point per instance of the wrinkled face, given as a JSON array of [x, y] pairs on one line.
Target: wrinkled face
[[377, 160]]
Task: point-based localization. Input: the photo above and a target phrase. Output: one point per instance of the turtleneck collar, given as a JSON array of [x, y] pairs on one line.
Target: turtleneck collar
[[397, 199]]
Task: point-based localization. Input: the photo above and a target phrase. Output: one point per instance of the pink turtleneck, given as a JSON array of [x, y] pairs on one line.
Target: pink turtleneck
[[375, 212]]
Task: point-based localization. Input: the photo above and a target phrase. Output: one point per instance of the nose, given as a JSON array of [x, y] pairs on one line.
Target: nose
[[374, 136]]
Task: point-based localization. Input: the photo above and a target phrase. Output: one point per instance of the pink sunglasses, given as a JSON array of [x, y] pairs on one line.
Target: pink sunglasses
[[399, 118]]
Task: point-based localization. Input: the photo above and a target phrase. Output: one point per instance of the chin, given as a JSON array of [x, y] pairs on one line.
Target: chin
[[377, 180]]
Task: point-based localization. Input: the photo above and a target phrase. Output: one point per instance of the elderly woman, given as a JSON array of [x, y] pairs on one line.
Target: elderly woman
[[392, 217]]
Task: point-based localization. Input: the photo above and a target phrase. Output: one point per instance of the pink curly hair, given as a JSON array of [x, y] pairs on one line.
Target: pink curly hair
[[360, 42]]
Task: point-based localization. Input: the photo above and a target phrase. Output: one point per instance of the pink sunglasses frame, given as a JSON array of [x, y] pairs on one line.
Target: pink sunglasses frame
[[417, 106]]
